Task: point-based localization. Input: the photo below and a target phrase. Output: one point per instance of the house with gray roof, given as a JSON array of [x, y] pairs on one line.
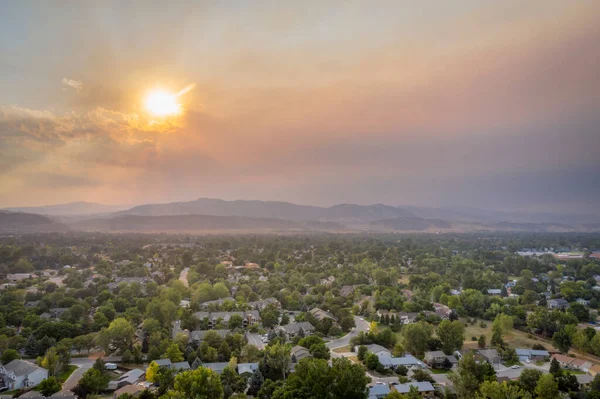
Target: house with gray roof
[[425, 388], [131, 377], [378, 391], [216, 367], [246, 369], [19, 374], [292, 329]]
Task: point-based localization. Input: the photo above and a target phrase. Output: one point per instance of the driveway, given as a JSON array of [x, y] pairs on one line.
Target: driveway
[[73, 379], [255, 339], [361, 325], [183, 276]]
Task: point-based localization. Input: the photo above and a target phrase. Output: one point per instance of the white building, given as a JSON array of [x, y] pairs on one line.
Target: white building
[[21, 374]]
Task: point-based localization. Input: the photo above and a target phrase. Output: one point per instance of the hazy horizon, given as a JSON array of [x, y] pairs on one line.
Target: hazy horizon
[[487, 105]]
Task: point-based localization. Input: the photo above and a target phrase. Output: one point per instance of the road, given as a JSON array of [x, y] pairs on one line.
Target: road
[[361, 325], [255, 339], [183, 276], [73, 379]]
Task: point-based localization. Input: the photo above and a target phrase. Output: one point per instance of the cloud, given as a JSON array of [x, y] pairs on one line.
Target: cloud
[[72, 83]]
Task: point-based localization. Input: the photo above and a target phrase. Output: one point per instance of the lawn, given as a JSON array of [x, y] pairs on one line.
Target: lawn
[[62, 377], [343, 349], [440, 371]]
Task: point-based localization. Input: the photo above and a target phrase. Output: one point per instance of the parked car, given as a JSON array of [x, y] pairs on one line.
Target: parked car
[[110, 366]]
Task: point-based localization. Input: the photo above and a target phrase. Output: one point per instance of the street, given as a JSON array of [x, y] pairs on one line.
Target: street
[[183, 276], [361, 325], [256, 340]]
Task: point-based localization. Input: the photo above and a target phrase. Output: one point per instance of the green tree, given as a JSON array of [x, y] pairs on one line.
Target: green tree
[[173, 353], [496, 390], [49, 386], [277, 361], [255, 383], [451, 334], [362, 352], [319, 351], [481, 342], [8, 355], [235, 322], [547, 388], [202, 383], [92, 382], [119, 333], [529, 379], [416, 336], [563, 338]]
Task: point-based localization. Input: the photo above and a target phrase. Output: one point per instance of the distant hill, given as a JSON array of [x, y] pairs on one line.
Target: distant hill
[[199, 223], [412, 224], [206, 214], [73, 208], [18, 222]]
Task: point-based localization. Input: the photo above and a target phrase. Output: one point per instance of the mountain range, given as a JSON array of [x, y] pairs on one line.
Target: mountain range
[[211, 215]]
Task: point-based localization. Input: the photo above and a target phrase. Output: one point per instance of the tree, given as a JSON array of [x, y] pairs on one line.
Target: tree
[[8, 355], [92, 382], [372, 361], [563, 339], [451, 334], [49, 386], [231, 379], [496, 390], [469, 375], [319, 351], [555, 369], [547, 388], [235, 321], [51, 361], [276, 362], [173, 353], [416, 336], [256, 382], [422, 375], [529, 379], [249, 354], [313, 378], [202, 383], [481, 342], [362, 352], [152, 371], [119, 333]]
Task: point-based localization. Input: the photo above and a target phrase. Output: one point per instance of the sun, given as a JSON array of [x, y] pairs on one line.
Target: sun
[[161, 103]]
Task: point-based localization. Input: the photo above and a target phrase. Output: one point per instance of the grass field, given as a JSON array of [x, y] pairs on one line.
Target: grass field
[[515, 338], [343, 349], [62, 377]]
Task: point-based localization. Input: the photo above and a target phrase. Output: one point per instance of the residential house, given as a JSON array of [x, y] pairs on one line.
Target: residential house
[[216, 302], [180, 366], [57, 312], [163, 363], [132, 377], [347, 290], [293, 329], [425, 388], [19, 374], [198, 335], [441, 310], [559, 303], [378, 391], [328, 281], [437, 359], [299, 352], [320, 314], [391, 362], [532, 355], [494, 291], [490, 355], [16, 277], [132, 390], [377, 349], [407, 318], [216, 367], [247, 369], [572, 362], [248, 317], [583, 302], [260, 305], [584, 380]]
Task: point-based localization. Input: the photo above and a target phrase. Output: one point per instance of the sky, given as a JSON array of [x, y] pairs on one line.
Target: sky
[[485, 104]]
